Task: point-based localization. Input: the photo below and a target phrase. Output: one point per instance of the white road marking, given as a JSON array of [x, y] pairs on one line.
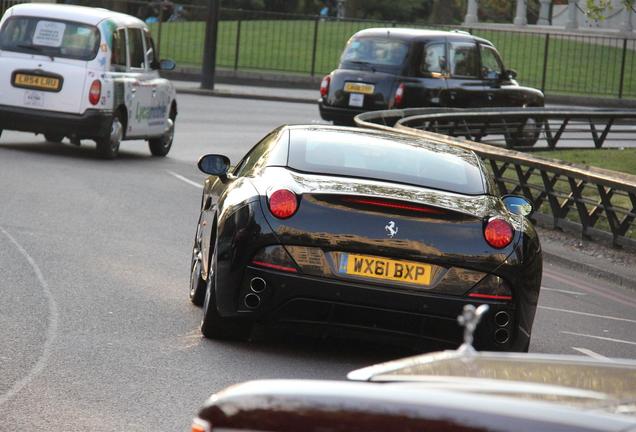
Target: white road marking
[[588, 314], [51, 330], [590, 353], [188, 181], [598, 337], [562, 291]]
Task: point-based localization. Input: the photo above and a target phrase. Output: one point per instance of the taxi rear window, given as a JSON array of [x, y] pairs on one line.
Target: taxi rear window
[[56, 38], [376, 51]]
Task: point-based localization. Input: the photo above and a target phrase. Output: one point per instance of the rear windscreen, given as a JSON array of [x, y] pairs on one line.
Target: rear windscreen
[[49, 37], [385, 157], [376, 51]]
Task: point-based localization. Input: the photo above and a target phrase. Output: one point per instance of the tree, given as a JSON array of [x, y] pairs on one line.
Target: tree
[[598, 9]]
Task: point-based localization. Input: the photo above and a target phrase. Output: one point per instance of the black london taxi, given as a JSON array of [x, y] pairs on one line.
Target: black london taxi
[[386, 68]]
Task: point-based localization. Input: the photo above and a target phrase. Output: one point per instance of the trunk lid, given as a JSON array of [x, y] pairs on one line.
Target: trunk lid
[[371, 88], [71, 73], [373, 218]]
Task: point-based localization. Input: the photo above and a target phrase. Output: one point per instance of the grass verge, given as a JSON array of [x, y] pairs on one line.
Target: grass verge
[[573, 62]]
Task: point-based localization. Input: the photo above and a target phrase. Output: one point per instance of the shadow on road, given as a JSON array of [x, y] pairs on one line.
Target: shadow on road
[[86, 151]]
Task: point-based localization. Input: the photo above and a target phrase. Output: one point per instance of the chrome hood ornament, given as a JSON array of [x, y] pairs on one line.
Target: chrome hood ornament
[[469, 319]]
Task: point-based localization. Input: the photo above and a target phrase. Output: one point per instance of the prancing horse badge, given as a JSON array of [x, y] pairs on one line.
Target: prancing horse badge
[[391, 229]]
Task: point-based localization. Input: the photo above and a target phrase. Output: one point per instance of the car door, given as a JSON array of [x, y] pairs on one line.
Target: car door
[[160, 90], [140, 105], [465, 85], [501, 90], [431, 72]]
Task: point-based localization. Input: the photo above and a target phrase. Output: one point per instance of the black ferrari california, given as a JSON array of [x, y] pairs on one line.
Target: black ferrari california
[[369, 231]]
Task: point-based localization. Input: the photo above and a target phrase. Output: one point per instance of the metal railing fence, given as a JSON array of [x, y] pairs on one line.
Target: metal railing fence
[[594, 199], [536, 128], [556, 62]]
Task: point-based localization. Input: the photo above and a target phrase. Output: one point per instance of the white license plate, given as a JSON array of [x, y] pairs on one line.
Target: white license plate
[[356, 99], [34, 98]]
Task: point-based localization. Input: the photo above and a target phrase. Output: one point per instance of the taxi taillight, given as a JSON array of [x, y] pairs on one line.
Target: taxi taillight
[[324, 86], [399, 96], [95, 92]]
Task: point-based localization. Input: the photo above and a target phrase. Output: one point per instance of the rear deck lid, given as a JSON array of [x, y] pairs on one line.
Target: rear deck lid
[[44, 62]]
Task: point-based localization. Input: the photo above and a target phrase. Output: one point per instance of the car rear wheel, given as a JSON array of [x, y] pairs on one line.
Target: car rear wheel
[[161, 146], [54, 138], [213, 325], [108, 146], [197, 283], [526, 136]]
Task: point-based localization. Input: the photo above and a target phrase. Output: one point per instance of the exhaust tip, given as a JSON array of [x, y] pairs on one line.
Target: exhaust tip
[[258, 285], [252, 301], [502, 318], [502, 336]]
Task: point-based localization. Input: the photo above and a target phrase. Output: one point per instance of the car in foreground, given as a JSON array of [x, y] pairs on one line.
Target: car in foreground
[[387, 68], [363, 230], [452, 391], [84, 73]]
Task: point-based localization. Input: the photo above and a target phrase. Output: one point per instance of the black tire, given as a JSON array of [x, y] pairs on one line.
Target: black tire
[[197, 283], [213, 325], [344, 122], [161, 146], [108, 147], [527, 137], [54, 138]]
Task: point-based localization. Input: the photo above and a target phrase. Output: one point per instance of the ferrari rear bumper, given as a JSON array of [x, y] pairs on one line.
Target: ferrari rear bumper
[[299, 300]]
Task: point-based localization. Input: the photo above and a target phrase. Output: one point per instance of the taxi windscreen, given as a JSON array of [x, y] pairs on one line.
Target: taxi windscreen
[[50, 37]]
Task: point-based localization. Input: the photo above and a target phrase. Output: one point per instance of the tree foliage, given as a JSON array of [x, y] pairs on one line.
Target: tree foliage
[[599, 9]]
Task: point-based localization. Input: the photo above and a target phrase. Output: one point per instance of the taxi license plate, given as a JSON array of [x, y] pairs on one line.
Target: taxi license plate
[[36, 82], [352, 87], [385, 269]]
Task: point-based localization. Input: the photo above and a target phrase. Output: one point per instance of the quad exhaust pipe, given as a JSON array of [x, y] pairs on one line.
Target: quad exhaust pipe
[[502, 318], [258, 285], [252, 301], [502, 336]]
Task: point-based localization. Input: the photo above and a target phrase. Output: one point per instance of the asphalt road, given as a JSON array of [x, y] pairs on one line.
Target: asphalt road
[[96, 331]]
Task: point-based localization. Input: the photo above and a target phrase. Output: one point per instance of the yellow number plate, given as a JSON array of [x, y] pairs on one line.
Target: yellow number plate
[[36, 82], [359, 88], [385, 269]]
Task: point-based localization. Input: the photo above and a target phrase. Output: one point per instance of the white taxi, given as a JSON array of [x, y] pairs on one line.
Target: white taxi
[[84, 73]]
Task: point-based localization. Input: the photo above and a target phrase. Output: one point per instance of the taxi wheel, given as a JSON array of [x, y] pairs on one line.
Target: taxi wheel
[[527, 136], [54, 138], [213, 325], [108, 147], [161, 146]]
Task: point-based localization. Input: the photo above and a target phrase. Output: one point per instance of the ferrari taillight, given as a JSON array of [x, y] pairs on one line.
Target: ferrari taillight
[[399, 96], [95, 92], [324, 86], [283, 203], [498, 233]]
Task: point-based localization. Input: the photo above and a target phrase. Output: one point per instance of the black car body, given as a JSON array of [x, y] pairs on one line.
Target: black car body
[[450, 391], [363, 230], [385, 68]]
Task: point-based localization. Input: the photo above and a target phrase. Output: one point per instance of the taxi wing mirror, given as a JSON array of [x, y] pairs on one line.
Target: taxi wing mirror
[[167, 65]]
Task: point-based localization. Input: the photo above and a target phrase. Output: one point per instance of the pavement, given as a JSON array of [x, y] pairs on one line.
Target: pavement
[[595, 258], [279, 94]]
